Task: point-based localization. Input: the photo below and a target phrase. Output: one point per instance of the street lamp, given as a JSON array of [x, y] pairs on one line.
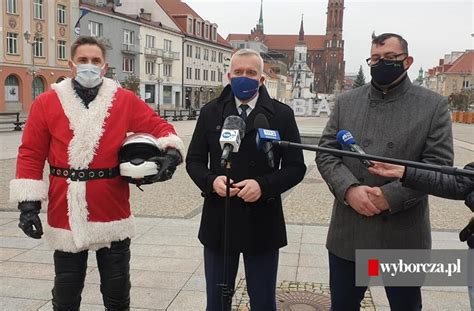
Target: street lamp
[[32, 70]]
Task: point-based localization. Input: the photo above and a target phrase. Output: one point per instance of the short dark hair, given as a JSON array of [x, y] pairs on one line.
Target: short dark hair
[[380, 39], [82, 40]]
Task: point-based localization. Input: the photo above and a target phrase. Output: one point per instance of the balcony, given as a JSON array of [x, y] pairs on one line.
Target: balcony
[[153, 52], [165, 55], [168, 55], [129, 48]]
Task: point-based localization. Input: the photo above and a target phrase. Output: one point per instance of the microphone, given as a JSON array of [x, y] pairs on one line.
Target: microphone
[[265, 137], [346, 139], [233, 131]]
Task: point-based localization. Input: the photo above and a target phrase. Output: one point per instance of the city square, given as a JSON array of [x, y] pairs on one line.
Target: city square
[[82, 83]]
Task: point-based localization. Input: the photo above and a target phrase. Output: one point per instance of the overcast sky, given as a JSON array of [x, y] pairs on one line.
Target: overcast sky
[[432, 28]]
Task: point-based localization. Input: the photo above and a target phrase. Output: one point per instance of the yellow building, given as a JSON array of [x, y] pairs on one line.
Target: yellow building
[[454, 73]]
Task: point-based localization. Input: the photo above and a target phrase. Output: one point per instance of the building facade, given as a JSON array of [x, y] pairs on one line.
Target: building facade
[[160, 53], [35, 43], [206, 55], [453, 73], [325, 52]]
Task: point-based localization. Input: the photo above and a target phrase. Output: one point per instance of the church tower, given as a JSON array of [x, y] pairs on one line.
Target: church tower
[[334, 65], [257, 33], [302, 75]]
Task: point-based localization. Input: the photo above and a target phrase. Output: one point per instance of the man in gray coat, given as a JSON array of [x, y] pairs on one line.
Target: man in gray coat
[[389, 117]]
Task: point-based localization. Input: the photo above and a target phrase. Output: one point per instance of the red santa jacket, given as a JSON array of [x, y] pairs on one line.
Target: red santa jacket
[[83, 214]]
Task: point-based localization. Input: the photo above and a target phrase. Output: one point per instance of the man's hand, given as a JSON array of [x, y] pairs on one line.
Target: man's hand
[[219, 186], [378, 198], [358, 199], [249, 190], [30, 222], [168, 163], [387, 170]]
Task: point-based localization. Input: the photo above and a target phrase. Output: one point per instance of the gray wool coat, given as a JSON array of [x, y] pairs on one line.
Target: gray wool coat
[[408, 122]]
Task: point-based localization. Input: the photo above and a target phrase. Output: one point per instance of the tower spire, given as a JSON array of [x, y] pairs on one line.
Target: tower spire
[[260, 20], [301, 36]]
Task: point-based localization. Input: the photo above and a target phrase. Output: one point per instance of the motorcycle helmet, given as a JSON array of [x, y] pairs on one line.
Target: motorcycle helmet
[[139, 159]]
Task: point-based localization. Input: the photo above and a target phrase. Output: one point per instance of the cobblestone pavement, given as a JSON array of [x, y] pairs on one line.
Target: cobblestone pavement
[[308, 203]]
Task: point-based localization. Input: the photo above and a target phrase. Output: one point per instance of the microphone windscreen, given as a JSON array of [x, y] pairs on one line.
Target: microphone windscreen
[[235, 123], [345, 138], [261, 121]]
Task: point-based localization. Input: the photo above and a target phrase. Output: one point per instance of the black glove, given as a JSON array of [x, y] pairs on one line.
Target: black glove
[[470, 201], [30, 222], [467, 234], [167, 164]]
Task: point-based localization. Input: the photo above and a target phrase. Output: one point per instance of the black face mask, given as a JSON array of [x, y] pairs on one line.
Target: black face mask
[[385, 72]]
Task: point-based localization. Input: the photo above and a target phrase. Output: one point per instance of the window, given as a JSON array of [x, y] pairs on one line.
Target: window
[[95, 28], [11, 6], [213, 56], [214, 34], [38, 9], [190, 25], [167, 94], [198, 29], [221, 57], [198, 52], [213, 75], [149, 68], [149, 41], [61, 14], [167, 70], [167, 45], [206, 31], [12, 89], [38, 87], [219, 76], [205, 74], [465, 84], [189, 50], [38, 47], [128, 37], [189, 73], [197, 74], [12, 43], [206, 54], [128, 64], [149, 93], [61, 49]]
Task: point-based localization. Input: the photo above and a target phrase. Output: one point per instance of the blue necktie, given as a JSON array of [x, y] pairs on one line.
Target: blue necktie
[[244, 108]]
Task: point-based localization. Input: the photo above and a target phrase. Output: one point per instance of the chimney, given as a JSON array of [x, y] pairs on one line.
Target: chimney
[[145, 16], [441, 62]]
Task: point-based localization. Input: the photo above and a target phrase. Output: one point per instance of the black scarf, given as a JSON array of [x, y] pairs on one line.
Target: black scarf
[[86, 94]]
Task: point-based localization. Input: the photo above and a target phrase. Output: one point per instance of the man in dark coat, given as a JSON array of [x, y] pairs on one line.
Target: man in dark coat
[[389, 117], [257, 225]]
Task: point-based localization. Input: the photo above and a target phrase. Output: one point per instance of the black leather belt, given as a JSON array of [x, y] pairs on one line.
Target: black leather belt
[[85, 174]]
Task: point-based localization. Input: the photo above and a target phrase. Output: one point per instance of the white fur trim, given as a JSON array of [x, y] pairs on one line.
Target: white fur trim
[[172, 141], [99, 235], [28, 190], [88, 127], [87, 124]]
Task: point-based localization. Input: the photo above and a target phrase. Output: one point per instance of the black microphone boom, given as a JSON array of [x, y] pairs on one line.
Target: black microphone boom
[[431, 167]]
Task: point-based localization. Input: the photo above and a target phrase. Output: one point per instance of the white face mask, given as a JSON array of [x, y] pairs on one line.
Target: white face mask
[[88, 75]]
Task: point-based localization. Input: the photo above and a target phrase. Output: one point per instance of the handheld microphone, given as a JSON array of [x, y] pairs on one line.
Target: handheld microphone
[[233, 131], [265, 137], [346, 139]]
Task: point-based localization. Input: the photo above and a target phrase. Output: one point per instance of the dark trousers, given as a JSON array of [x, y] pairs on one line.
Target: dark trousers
[[114, 269], [345, 296], [260, 274]]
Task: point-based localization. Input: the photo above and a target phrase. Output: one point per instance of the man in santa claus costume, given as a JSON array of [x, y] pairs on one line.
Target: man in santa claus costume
[[79, 127]]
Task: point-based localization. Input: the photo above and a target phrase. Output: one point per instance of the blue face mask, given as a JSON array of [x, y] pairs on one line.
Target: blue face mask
[[244, 88]]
